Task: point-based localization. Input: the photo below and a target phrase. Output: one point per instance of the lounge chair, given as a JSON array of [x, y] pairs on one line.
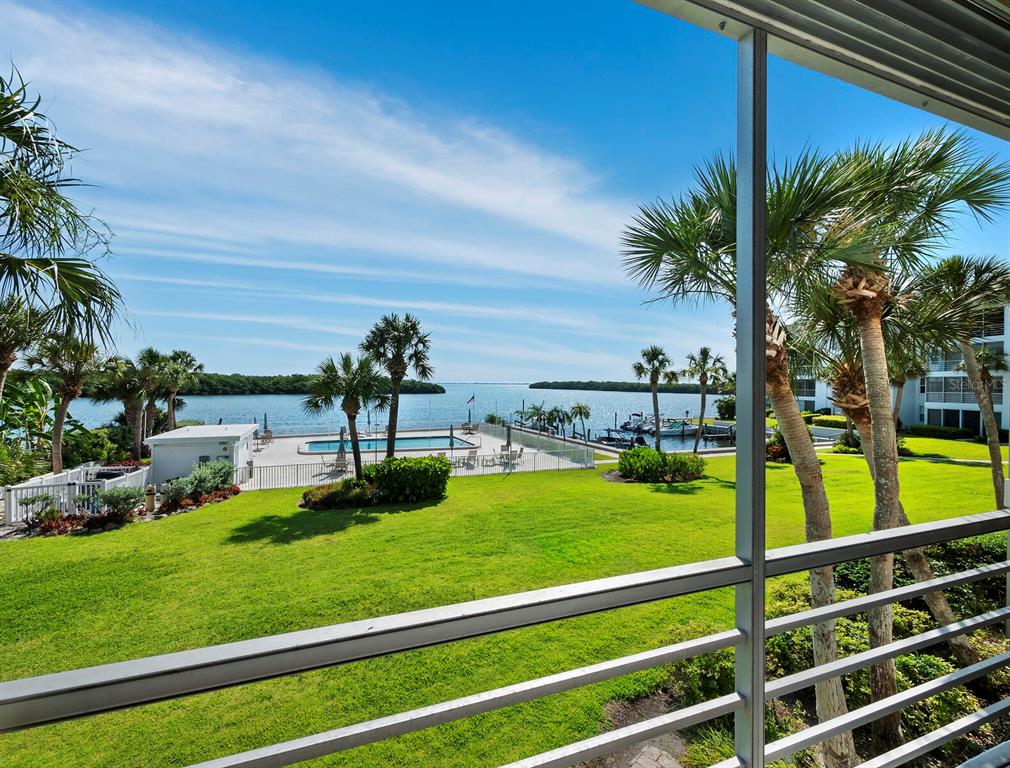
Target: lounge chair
[[490, 460], [471, 458]]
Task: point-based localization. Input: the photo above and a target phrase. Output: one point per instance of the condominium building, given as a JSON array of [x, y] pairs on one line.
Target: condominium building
[[944, 395]]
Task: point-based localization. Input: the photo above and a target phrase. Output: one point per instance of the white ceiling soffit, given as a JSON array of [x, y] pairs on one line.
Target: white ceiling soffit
[[949, 57]]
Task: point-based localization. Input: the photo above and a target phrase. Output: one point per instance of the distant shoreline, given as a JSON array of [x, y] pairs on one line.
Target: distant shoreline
[[624, 386], [284, 384]]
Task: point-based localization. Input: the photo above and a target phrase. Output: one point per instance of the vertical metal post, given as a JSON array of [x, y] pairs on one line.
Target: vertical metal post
[[750, 453]]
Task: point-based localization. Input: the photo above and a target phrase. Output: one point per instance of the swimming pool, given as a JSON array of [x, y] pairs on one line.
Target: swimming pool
[[413, 443]]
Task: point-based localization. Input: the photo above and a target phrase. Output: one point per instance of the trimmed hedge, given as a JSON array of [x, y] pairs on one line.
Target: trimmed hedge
[[837, 422], [726, 407], [422, 478], [346, 493], [935, 430], [647, 465], [412, 478]]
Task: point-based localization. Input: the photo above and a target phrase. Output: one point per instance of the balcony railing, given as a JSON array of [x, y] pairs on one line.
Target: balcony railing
[[34, 701]]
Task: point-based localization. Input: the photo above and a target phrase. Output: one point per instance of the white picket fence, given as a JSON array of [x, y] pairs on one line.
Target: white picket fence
[[71, 491]]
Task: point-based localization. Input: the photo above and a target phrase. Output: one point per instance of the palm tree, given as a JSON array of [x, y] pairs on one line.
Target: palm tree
[[398, 345], [558, 417], [151, 364], [910, 193], [179, 370], [351, 385], [21, 326], [123, 382], [536, 414], [980, 284], [707, 369], [827, 333], [72, 362], [655, 366], [904, 363], [686, 251], [44, 238], [581, 412]]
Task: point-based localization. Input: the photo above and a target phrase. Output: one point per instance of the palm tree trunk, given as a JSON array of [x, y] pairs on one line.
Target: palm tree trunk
[[133, 417], [984, 397], [59, 419], [883, 676], [5, 365], [655, 410], [151, 412], [352, 427], [920, 567], [170, 408], [582, 423], [701, 418], [840, 751], [394, 412], [898, 395]]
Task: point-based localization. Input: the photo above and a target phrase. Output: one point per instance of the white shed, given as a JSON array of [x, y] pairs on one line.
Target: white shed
[[175, 453]]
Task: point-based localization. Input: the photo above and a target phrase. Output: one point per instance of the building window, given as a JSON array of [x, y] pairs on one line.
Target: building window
[[991, 324], [922, 385], [951, 418], [806, 388], [935, 417]]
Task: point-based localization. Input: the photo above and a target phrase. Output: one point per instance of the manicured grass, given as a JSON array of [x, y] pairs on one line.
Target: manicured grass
[[258, 565], [933, 447]]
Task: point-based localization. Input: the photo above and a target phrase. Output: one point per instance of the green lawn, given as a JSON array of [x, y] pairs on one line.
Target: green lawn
[[258, 565], [949, 449]]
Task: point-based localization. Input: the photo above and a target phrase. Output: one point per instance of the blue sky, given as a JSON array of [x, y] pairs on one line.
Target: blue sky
[[280, 176]]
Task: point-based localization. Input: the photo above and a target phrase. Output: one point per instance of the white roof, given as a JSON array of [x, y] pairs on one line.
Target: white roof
[[204, 433]]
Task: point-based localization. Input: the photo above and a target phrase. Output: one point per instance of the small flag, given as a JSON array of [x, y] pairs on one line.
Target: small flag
[[472, 398]]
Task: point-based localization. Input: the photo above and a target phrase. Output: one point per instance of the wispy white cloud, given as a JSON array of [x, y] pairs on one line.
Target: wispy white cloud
[[239, 150], [303, 324]]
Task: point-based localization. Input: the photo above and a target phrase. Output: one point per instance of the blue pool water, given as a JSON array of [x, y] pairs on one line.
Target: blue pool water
[[402, 444]]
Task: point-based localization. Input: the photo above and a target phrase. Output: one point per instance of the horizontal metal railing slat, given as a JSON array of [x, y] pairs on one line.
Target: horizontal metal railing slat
[[847, 664], [865, 602], [609, 742], [803, 557], [783, 748], [930, 741], [36, 700], [356, 735]]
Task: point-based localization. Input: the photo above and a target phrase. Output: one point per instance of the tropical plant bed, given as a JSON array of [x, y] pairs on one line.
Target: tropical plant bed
[[257, 564]]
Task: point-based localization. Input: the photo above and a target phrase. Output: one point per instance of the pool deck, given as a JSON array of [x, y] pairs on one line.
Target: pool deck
[[289, 450], [285, 450]]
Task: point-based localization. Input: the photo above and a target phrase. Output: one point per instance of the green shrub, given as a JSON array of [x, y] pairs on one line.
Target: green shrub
[[82, 446], [18, 465], [647, 465], [174, 491], [808, 416], [493, 418], [211, 477], [838, 422], [726, 407], [40, 510], [682, 467], [411, 479], [935, 430], [117, 505], [349, 492]]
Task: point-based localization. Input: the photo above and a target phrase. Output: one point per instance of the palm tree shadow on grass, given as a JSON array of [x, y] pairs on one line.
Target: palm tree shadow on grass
[[308, 523]]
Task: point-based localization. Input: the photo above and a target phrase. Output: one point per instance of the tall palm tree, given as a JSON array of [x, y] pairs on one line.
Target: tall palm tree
[[911, 194], [685, 250], [398, 345], [123, 382], [982, 284], [655, 366], [151, 364], [73, 363], [350, 385], [44, 237], [828, 334], [559, 417], [21, 326], [580, 411], [905, 362], [179, 370], [707, 369], [536, 414]]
